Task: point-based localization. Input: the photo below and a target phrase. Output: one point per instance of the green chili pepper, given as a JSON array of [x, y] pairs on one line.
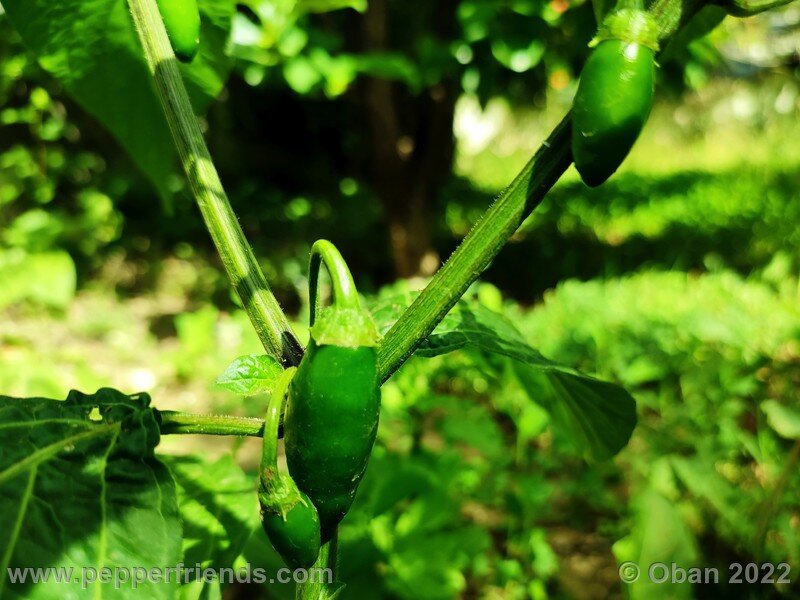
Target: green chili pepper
[[182, 22], [615, 94], [287, 514], [334, 400]]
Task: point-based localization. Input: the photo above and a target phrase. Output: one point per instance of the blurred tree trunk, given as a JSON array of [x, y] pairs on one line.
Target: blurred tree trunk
[[411, 143]]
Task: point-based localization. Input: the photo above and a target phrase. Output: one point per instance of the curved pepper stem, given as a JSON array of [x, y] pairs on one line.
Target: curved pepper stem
[[345, 294], [272, 420]]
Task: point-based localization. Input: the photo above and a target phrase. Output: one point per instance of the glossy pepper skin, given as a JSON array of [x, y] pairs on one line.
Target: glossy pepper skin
[[334, 400], [294, 535], [330, 425], [613, 102], [182, 22], [288, 516]]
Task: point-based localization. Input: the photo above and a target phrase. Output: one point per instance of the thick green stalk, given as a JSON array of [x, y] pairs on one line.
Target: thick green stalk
[[499, 223], [240, 263], [477, 250], [345, 294], [671, 15], [173, 422], [320, 590], [748, 8]]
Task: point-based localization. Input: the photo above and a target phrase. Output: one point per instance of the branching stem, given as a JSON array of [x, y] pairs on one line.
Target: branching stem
[[499, 222]]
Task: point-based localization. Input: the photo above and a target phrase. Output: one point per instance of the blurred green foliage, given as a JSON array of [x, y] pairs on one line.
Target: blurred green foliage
[[91, 48], [702, 354], [50, 208]]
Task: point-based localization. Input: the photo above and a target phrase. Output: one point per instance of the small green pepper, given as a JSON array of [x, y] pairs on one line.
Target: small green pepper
[[334, 400], [182, 22], [615, 94], [287, 514]]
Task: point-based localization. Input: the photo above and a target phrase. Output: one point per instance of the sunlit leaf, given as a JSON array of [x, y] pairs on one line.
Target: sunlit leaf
[[219, 508], [81, 487], [599, 416], [251, 374], [467, 324]]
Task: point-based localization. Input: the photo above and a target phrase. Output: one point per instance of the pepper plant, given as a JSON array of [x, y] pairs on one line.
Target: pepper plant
[[80, 482]]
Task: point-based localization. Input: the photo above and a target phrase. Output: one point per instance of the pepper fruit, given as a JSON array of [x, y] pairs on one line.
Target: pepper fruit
[[182, 22], [334, 400], [287, 515], [615, 94]]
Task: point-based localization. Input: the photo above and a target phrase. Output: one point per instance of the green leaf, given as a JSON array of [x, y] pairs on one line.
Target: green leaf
[[92, 48], [468, 324], [600, 416], [218, 506], [783, 419], [437, 572], [259, 553], [80, 486], [251, 374]]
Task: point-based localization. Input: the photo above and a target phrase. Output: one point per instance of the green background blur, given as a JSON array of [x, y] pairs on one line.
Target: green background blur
[[389, 132]]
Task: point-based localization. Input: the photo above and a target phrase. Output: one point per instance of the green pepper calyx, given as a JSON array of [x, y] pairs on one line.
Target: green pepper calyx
[[278, 494], [629, 25], [345, 327]]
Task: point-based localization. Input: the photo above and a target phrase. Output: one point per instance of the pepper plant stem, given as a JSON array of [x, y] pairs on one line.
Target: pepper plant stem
[[272, 420], [344, 289], [477, 250], [316, 588], [240, 263], [499, 223], [173, 422]]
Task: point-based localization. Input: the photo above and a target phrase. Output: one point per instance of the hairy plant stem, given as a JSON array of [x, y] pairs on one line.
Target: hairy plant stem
[[499, 222], [272, 421], [327, 559], [173, 422], [240, 263], [477, 250]]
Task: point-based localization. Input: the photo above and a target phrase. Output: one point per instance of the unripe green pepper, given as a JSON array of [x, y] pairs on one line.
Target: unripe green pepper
[[615, 94], [287, 514], [334, 400], [182, 22]]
